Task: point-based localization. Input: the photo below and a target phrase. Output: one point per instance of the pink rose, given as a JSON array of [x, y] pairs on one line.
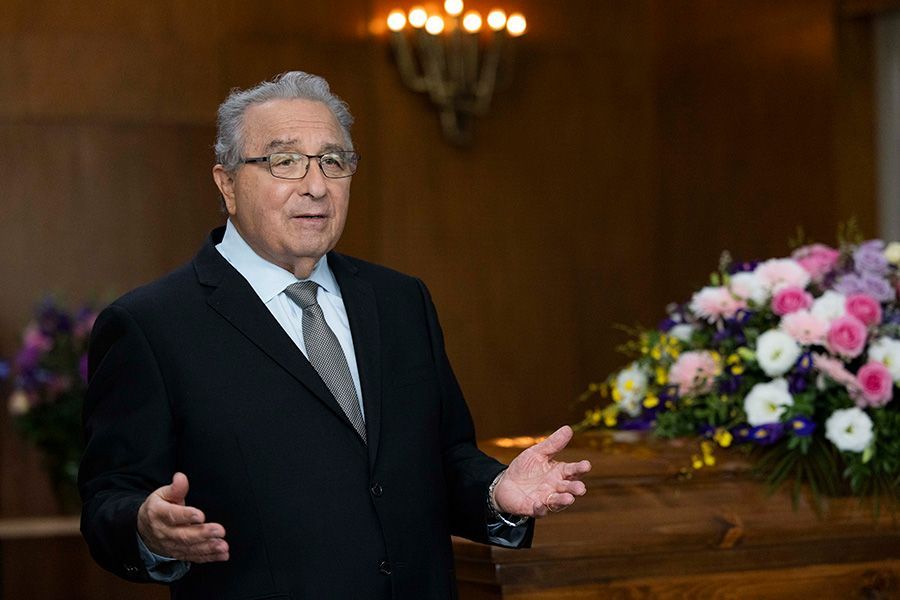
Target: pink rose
[[846, 336], [865, 308], [790, 299], [876, 384], [816, 259]]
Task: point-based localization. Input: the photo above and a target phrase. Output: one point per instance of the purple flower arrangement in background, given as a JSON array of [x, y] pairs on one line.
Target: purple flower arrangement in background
[[796, 358], [48, 376]]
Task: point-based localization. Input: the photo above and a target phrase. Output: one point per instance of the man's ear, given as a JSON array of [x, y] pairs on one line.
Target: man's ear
[[225, 182]]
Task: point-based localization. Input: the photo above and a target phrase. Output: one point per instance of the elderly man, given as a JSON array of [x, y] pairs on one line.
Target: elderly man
[[277, 420]]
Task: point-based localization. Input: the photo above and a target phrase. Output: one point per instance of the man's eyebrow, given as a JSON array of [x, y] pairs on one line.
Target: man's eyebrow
[[279, 145]]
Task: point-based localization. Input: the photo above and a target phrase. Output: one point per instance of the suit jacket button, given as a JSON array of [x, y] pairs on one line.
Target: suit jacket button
[[384, 567], [377, 490], [131, 569]]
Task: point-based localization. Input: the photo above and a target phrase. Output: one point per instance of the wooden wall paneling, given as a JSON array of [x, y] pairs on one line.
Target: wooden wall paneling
[[747, 114]]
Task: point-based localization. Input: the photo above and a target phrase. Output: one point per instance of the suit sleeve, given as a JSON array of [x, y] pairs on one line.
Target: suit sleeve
[[130, 441], [468, 471]]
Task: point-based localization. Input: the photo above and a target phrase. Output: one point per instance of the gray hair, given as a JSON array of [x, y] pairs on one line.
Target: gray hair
[[290, 85]]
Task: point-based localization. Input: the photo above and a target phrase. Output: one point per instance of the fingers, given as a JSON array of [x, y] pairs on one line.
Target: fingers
[[575, 470], [559, 501], [556, 442], [574, 488], [176, 491], [169, 528]]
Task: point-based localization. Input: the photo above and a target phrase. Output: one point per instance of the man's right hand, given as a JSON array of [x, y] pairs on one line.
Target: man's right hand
[[171, 529]]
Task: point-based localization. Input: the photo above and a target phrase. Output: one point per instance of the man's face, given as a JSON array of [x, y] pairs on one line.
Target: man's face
[[291, 223]]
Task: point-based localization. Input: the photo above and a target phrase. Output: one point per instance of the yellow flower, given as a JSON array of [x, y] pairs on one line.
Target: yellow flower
[[651, 401], [610, 416], [662, 376], [723, 437]]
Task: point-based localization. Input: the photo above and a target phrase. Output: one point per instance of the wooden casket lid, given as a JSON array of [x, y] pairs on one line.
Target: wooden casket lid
[[647, 513]]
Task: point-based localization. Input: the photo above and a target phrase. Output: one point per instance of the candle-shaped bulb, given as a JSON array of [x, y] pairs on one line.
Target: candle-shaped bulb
[[496, 19], [417, 17], [396, 20], [434, 25], [453, 7], [516, 24], [472, 21]]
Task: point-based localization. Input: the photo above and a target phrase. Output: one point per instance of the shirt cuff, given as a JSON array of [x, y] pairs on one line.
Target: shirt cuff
[[161, 568]]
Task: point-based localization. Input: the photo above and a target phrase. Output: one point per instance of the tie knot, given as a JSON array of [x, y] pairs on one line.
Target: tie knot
[[303, 293]]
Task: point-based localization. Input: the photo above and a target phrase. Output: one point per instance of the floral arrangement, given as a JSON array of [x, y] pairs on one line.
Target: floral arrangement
[[49, 378], [794, 358]]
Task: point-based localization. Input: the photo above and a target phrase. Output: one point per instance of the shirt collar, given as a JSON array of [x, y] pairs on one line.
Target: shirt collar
[[268, 279]]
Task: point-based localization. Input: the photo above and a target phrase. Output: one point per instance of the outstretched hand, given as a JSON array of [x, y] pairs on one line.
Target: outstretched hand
[[535, 484], [169, 528]]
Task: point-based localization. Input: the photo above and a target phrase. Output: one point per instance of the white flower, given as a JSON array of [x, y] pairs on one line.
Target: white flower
[[631, 385], [892, 253], [829, 306], [776, 352], [849, 429], [766, 402], [18, 403], [682, 332], [887, 351], [747, 286]]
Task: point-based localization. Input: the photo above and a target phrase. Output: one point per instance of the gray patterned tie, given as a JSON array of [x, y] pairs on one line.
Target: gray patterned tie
[[325, 352]]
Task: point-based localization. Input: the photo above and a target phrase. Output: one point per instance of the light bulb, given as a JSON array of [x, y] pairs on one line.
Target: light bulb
[[516, 24], [453, 7], [417, 17], [434, 25], [396, 20], [472, 21], [496, 19]]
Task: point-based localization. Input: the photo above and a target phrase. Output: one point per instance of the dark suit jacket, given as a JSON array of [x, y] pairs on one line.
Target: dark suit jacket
[[193, 374]]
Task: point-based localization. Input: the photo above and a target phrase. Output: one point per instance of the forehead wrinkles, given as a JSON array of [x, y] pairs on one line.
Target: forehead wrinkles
[[296, 121]]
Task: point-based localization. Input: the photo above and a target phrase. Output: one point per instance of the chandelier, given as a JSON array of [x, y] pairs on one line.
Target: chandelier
[[457, 57]]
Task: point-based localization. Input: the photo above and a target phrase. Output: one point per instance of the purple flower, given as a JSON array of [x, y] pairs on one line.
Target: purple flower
[[51, 320], [869, 258], [670, 392], [83, 367], [804, 364], [867, 283], [801, 426], [742, 433], [730, 385], [28, 358], [740, 267], [797, 384], [767, 434]]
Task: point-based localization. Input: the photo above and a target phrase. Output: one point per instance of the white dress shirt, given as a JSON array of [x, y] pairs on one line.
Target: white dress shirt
[[269, 281]]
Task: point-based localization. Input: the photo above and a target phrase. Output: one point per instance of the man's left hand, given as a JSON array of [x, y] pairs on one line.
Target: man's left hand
[[535, 484]]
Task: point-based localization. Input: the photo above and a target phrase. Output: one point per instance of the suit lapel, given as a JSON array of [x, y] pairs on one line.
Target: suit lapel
[[362, 312], [236, 302]]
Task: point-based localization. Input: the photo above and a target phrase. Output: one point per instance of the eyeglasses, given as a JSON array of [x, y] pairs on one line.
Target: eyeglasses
[[295, 165]]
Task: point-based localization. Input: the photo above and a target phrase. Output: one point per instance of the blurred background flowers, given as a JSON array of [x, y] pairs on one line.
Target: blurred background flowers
[[48, 379]]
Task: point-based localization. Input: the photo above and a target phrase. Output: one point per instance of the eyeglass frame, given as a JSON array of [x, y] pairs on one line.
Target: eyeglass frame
[[267, 159]]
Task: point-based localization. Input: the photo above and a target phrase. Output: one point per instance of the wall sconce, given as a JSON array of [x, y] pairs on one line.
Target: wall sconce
[[455, 59]]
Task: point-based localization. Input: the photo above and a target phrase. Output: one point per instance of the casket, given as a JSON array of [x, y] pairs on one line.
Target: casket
[[652, 527]]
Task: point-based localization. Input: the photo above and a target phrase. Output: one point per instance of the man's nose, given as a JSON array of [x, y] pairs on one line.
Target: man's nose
[[314, 183]]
